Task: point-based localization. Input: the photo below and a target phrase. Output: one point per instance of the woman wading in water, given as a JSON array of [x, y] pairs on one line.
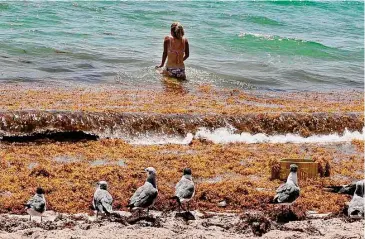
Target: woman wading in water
[[176, 50]]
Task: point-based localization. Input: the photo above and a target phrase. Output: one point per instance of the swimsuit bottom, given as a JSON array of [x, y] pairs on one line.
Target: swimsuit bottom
[[176, 72]]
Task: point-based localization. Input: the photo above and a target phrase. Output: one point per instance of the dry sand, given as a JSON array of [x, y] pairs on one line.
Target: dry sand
[[167, 225]]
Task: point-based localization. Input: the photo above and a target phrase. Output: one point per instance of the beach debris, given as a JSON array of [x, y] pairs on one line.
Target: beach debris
[[316, 215], [102, 201], [308, 168], [145, 196], [36, 206], [356, 205], [258, 222], [184, 189], [222, 203]]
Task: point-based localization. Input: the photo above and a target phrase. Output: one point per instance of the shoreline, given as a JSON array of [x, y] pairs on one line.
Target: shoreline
[[174, 99], [251, 224]]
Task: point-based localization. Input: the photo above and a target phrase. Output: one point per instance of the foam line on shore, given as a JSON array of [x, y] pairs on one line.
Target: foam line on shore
[[226, 135], [160, 139]]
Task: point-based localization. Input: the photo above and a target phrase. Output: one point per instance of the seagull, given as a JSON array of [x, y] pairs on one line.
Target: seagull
[[343, 189], [184, 189], [36, 206], [356, 205], [288, 192], [145, 196], [102, 201]]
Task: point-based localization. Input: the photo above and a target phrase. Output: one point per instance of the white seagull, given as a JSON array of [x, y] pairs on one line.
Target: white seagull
[[102, 201], [288, 192], [185, 189], [36, 206], [145, 196]]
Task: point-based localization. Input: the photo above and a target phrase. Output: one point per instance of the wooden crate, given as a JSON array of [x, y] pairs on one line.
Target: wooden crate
[[307, 168]]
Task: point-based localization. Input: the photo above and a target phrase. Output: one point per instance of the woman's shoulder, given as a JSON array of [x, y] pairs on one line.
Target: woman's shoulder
[[167, 38]]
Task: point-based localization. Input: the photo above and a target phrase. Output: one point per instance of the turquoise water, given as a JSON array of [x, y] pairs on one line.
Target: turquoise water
[[275, 45]]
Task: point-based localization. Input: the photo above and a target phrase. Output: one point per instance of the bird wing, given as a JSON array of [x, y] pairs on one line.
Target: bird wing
[[287, 192], [144, 196], [184, 189], [107, 201], [37, 203], [103, 201], [348, 189]]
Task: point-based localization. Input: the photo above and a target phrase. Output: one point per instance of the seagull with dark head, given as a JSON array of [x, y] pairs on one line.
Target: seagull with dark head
[[356, 205], [184, 189], [102, 201], [145, 196], [36, 206], [288, 192]]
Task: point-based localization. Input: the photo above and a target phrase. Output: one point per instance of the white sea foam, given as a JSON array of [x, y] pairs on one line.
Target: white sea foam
[[160, 139], [228, 135]]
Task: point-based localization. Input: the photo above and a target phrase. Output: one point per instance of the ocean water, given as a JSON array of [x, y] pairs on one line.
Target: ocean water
[[267, 45]]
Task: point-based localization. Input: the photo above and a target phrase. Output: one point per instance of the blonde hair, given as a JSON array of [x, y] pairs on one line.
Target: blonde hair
[[177, 30]]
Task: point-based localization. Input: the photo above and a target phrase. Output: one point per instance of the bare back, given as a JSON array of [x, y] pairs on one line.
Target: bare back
[[175, 52]]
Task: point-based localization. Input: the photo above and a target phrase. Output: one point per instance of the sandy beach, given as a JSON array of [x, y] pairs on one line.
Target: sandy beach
[[168, 225]]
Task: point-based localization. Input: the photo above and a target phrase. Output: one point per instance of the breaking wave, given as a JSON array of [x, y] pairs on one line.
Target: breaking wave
[[227, 135], [142, 128]]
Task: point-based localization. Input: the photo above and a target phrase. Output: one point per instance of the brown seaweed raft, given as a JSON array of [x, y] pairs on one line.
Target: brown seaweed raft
[[20, 123]]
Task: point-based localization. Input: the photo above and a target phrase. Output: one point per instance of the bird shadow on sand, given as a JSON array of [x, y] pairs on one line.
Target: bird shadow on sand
[[187, 216]]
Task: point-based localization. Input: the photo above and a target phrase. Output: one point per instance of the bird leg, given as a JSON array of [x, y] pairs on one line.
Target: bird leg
[[179, 205], [41, 219], [188, 207], [183, 207], [148, 209], [30, 217]]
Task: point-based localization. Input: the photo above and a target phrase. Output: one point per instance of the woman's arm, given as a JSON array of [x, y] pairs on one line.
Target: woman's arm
[[164, 54], [186, 56]]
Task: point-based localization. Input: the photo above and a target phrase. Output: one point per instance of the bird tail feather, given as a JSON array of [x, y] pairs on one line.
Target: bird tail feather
[[107, 207]]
